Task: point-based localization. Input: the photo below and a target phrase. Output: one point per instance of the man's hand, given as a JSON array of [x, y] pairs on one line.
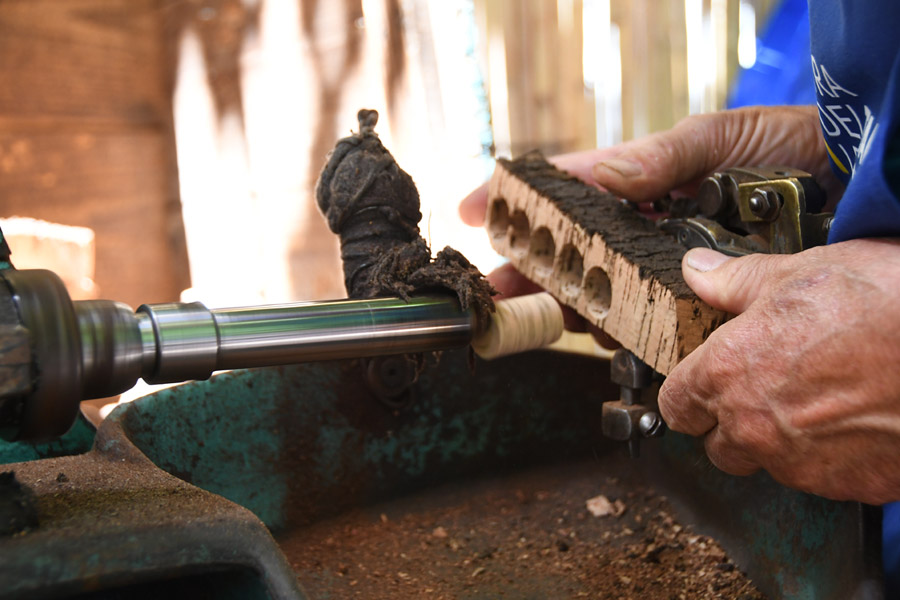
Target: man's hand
[[648, 168], [805, 382]]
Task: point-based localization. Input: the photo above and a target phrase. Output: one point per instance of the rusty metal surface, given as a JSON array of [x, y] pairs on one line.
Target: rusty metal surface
[[299, 444], [110, 520], [295, 444]]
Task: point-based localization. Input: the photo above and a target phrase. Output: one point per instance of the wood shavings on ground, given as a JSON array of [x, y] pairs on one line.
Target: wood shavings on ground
[[521, 536], [600, 506]]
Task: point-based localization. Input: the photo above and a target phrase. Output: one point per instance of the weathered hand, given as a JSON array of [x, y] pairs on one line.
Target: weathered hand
[[648, 168], [805, 381], [678, 159]]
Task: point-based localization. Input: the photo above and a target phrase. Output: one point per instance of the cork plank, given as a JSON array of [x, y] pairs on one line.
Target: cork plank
[[598, 256]]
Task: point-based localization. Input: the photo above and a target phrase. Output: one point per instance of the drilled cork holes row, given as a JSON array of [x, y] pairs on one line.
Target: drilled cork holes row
[[565, 265]]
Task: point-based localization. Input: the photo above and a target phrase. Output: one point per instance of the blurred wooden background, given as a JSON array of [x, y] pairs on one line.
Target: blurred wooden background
[[188, 134], [86, 136], [566, 75]]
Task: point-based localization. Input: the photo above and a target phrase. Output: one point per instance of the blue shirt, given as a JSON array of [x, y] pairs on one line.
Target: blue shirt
[[855, 48]]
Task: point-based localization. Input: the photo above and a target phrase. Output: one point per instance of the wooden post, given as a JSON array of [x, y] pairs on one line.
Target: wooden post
[[85, 136]]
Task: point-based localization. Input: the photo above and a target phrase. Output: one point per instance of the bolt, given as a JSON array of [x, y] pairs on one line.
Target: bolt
[[651, 425], [765, 203], [390, 379], [711, 196]]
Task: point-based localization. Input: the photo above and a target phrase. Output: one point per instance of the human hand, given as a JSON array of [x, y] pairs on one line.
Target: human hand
[[648, 168], [805, 381], [678, 159]]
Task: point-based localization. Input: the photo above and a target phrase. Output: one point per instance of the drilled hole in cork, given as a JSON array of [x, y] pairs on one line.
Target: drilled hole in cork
[[597, 292], [542, 249], [520, 232], [570, 270], [498, 218]]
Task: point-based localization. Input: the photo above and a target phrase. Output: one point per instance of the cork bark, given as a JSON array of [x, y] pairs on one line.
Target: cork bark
[[598, 256]]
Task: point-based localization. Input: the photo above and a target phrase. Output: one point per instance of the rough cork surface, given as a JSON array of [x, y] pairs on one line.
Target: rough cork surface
[[599, 256], [624, 230], [373, 205], [523, 536]]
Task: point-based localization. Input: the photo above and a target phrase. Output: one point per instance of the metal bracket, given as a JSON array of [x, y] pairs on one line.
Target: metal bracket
[[629, 419], [741, 210]]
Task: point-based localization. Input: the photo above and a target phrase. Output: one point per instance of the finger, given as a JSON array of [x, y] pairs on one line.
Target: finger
[[580, 164], [648, 168], [509, 282], [731, 284], [473, 206], [726, 456], [682, 397], [603, 338]]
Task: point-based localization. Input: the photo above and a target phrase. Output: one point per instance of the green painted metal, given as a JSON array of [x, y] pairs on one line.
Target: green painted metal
[[797, 540], [298, 444], [77, 440], [224, 435], [314, 434], [5, 263]]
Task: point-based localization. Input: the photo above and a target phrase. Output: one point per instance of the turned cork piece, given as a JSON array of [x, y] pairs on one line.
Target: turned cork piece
[[598, 256]]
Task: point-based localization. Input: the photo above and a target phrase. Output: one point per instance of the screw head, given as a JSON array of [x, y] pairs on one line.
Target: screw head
[[651, 425], [765, 203]]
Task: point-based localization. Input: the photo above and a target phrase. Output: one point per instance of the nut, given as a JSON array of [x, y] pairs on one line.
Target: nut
[[765, 203]]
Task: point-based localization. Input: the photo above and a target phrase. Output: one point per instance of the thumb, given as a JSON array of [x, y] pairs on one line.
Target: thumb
[[727, 283], [650, 167]]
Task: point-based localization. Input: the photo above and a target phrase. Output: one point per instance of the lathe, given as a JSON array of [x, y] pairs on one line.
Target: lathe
[[176, 493]]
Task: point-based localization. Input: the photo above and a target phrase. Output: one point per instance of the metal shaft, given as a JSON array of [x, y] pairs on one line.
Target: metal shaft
[[189, 341], [97, 348]]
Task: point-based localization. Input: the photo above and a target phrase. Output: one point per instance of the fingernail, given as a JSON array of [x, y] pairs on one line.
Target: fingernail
[[705, 259], [623, 167]]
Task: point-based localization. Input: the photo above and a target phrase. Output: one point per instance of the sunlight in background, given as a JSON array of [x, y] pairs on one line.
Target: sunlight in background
[[247, 179], [458, 161], [216, 202], [747, 36], [245, 186], [701, 54], [468, 67], [498, 93], [602, 69]]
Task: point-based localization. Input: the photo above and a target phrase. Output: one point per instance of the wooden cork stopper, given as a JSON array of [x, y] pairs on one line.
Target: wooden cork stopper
[[519, 324]]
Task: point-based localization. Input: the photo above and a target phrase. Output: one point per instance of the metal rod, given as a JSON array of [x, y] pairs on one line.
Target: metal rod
[[192, 341], [71, 351], [268, 335]]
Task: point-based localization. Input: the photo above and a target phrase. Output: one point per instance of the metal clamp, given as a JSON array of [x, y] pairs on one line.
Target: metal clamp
[[629, 419], [775, 210]]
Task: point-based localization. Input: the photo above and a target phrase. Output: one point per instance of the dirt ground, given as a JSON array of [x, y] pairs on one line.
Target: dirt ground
[[523, 536]]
